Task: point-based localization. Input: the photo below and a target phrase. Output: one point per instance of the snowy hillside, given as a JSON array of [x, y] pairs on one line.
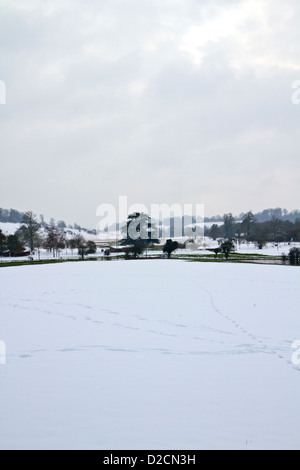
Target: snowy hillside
[[149, 355], [10, 228]]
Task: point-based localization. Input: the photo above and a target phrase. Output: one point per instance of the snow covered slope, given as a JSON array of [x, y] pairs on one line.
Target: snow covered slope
[[149, 354], [9, 228]]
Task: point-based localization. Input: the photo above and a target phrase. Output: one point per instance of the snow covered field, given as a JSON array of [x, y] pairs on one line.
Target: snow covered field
[[158, 354]]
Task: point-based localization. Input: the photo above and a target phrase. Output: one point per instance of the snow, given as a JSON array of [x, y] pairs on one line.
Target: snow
[[271, 249], [9, 228], [157, 354]]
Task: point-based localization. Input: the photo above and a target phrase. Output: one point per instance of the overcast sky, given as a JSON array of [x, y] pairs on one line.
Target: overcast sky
[[165, 101]]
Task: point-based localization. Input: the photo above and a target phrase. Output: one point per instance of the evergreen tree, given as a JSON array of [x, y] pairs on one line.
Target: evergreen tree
[[140, 233], [3, 245], [14, 244], [91, 247]]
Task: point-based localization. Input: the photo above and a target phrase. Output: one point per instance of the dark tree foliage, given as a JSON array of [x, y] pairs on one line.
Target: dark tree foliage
[[229, 225], [82, 251], [215, 232], [139, 233], [227, 247], [91, 248], [79, 242], [248, 224], [14, 244], [169, 247], [3, 245], [216, 251], [294, 256], [28, 233], [274, 230]]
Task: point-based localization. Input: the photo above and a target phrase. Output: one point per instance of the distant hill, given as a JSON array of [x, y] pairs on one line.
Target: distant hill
[[282, 214], [263, 216], [14, 216], [11, 215]]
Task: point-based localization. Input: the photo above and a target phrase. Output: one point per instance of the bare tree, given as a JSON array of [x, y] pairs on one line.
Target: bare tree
[[248, 224], [275, 228], [29, 230], [55, 239], [80, 244], [228, 225], [72, 244]]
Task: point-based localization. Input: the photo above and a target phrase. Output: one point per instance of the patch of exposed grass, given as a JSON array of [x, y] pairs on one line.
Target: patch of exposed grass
[[42, 261]]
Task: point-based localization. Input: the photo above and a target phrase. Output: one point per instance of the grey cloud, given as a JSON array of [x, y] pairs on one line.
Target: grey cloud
[[103, 100]]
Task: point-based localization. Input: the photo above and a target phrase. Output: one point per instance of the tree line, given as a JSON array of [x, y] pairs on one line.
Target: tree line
[[140, 233], [52, 237], [249, 229], [263, 216]]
